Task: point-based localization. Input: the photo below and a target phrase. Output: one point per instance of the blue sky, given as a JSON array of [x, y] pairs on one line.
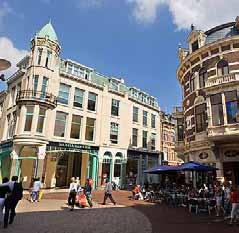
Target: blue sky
[[133, 39]]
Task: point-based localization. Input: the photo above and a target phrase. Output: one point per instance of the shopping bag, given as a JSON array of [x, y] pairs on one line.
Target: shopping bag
[[40, 195]]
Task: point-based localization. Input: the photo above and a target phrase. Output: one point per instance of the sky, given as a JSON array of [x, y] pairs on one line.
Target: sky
[[132, 39]]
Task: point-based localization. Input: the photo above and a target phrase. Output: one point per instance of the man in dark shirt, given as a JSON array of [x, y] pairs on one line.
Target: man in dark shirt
[[12, 201], [4, 190]]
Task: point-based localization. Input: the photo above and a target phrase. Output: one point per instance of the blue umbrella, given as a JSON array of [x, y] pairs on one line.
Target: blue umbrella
[[161, 169], [194, 166]]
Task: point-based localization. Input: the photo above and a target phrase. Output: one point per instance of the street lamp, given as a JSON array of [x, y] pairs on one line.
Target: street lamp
[[4, 64]]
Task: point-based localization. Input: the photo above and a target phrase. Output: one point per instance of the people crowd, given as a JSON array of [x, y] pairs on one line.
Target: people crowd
[[223, 198], [11, 192]]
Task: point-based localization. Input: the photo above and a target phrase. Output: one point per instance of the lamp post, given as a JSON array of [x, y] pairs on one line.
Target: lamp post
[[4, 64]]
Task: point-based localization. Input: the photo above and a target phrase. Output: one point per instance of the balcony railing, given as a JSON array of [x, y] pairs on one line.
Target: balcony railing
[[223, 131], [222, 79], [37, 96]]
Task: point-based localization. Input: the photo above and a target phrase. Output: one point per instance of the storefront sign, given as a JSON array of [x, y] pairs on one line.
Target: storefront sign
[[69, 146], [7, 146]]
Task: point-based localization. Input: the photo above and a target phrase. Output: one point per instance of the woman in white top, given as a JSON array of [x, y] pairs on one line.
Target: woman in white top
[[72, 193]]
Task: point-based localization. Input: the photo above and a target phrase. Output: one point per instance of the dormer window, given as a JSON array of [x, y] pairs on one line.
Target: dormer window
[[195, 46], [69, 68], [222, 68]]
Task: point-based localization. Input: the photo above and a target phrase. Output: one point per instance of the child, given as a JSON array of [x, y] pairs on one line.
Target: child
[[82, 198]]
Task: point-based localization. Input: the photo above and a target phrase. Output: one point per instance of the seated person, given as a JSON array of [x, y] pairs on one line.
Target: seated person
[[137, 193]]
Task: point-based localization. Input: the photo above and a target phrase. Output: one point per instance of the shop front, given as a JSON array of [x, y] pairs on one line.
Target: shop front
[[66, 160], [112, 165], [137, 162]]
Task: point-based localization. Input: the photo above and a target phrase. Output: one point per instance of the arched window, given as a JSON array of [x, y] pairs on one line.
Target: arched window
[[222, 68], [202, 77]]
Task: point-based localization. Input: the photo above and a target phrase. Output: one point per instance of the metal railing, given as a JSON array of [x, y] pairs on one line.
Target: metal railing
[[40, 96]]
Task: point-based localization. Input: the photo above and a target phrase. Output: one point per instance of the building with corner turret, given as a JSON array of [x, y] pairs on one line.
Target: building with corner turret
[[208, 120], [60, 118]]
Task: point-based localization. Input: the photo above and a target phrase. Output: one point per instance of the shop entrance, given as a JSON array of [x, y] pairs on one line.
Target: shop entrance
[[68, 165], [131, 172], [231, 172], [106, 167]]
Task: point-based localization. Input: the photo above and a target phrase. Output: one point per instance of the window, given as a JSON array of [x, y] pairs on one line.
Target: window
[[63, 93], [195, 46], [75, 126], [41, 119], [39, 56], [60, 124], [200, 115], [180, 129], [145, 116], [222, 68], [35, 84], [44, 87], [90, 126], [92, 101], [134, 137], [114, 130], [232, 107], [192, 83], [69, 68], [202, 77], [29, 117], [9, 123], [13, 94], [14, 122], [144, 143], [153, 120], [115, 107], [78, 98], [75, 70], [48, 58], [217, 110], [87, 75], [153, 141], [135, 114], [114, 85]]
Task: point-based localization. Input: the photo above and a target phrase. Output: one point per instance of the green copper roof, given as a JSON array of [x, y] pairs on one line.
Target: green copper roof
[[49, 31]]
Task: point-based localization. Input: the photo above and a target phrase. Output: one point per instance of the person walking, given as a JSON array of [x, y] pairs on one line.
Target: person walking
[[235, 204], [108, 192], [4, 191], [12, 200], [88, 190], [37, 185], [72, 193]]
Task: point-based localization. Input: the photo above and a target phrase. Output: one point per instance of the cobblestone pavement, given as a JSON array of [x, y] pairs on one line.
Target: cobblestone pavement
[[52, 215]]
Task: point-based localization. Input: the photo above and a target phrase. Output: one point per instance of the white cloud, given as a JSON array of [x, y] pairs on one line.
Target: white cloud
[[202, 13], [11, 53], [145, 11]]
